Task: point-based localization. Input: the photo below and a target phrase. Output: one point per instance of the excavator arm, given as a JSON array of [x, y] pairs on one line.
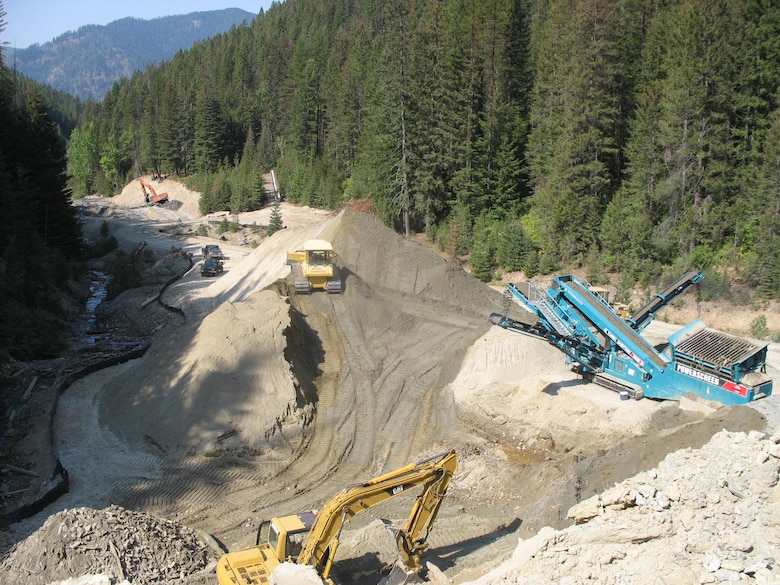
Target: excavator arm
[[433, 473], [413, 539], [150, 195]]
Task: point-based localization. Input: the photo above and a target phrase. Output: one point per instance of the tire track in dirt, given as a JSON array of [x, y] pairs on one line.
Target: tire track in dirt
[[340, 447]]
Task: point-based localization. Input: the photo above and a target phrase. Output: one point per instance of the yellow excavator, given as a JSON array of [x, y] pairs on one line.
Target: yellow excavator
[[315, 267], [312, 538]]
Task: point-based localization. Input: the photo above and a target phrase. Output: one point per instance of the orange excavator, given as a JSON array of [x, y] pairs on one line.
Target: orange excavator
[[151, 196]]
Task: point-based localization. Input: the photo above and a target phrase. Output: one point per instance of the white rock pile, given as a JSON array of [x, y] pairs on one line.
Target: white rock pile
[[710, 515]]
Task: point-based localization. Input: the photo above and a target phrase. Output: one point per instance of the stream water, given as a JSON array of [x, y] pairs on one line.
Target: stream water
[[97, 294]]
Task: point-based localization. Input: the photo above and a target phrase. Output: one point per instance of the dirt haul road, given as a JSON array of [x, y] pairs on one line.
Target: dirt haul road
[[265, 402]]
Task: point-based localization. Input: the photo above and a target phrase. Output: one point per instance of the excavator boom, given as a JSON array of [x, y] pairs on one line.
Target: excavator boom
[[433, 473]]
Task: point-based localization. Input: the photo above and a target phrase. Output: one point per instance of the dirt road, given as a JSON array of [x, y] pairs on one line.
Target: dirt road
[[264, 402]]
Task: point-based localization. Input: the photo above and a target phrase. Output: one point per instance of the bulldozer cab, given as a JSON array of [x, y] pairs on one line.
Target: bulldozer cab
[[623, 311], [319, 257]]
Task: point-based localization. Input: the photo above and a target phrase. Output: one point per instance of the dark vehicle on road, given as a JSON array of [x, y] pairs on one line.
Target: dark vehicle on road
[[211, 267], [213, 251]]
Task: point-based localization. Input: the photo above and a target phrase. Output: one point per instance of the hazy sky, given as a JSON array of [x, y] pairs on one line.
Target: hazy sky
[[37, 21]]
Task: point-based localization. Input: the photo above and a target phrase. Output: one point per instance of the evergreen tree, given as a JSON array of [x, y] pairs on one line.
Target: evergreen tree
[[482, 252], [168, 133], [207, 145], [399, 58], [513, 247], [763, 234], [275, 222], [39, 233], [304, 125], [46, 173], [576, 122], [694, 139], [443, 112]]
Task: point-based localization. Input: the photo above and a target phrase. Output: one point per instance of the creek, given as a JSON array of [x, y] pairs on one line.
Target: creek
[[84, 325]]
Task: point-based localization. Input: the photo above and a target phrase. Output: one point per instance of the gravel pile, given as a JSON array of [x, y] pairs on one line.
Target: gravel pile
[[121, 545]]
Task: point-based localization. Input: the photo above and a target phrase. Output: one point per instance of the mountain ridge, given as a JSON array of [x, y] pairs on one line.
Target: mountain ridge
[[85, 63]]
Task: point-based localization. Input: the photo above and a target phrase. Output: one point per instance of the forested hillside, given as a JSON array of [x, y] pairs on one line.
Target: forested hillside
[[40, 238], [624, 135], [87, 62]]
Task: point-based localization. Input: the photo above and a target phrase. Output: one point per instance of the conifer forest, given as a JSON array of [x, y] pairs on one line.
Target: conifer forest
[[634, 137]]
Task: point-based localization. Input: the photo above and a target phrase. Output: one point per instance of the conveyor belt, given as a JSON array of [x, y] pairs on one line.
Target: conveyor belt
[[665, 297], [618, 326], [716, 347]]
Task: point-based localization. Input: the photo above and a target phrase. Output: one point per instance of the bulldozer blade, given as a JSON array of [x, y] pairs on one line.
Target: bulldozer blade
[[400, 576]]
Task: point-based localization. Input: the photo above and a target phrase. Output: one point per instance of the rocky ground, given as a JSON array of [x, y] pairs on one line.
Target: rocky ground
[[251, 401]]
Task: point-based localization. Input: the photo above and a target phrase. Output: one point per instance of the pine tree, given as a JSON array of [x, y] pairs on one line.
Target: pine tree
[[46, 167], [513, 247], [207, 145], [168, 132], [275, 222], [576, 124], [763, 234], [482, 252]]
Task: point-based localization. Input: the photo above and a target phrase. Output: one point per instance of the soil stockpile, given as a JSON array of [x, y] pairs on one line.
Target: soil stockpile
[[221, 384], [226, 383]]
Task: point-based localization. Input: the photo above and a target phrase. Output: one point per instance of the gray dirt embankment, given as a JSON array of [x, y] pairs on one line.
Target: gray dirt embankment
[[220, 385]]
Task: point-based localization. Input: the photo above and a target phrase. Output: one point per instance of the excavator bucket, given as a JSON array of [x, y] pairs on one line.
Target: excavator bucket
[[398, 575]]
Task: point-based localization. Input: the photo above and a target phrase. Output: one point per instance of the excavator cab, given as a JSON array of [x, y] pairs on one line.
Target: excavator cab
[[286, 535]]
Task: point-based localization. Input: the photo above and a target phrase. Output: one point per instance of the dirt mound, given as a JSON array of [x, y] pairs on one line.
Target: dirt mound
[[193, 390], [383, 260], [183, 199], [114, 542], [318, 391], [222, 384]]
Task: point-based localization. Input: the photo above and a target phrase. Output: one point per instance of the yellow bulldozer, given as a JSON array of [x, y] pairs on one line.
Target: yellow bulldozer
[[623, 310], [312, 538], [315, 266]]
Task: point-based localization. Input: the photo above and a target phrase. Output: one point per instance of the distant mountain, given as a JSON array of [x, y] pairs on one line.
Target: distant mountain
[[86, 63]]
